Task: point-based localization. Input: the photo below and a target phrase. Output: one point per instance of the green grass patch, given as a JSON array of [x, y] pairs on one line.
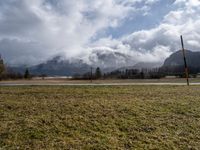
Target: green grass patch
[[104, 117]]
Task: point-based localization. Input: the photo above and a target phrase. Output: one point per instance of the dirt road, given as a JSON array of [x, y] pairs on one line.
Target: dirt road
[[90, 84]]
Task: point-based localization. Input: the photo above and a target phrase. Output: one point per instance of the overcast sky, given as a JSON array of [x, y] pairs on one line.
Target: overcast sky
[[32, 31]]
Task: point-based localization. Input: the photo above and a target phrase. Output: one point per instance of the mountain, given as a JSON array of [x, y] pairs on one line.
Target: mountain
[[142, 65], [176, 59], [107, 60], [147, 65], [174, 64], [60, 67], [56, 67]]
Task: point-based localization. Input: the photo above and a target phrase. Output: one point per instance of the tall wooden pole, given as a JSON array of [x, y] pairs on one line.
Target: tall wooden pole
[[185, 62]]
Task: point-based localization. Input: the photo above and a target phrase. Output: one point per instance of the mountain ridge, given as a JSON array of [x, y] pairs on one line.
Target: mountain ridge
[[176, 59], [59, 66], [109, 61]]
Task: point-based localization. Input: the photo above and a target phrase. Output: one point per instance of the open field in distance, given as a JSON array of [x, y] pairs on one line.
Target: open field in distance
[[106, 117], [58, 81]]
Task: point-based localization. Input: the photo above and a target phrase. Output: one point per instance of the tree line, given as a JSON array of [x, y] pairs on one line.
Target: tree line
[[155, 73], [7, 73], [97, 74]]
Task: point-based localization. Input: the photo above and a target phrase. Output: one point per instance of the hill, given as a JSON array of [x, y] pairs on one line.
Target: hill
[[175, 63], [142, 65], [176, 59]]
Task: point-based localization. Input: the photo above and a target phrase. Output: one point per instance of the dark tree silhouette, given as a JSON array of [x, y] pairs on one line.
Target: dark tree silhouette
[[27, 74], [98, 74], [2, 67]]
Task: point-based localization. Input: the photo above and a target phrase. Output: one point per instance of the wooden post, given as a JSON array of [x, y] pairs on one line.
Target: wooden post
[[185, 62]]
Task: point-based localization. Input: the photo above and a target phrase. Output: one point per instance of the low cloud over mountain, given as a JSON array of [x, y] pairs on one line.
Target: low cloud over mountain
[[34, 31], [107, 60]]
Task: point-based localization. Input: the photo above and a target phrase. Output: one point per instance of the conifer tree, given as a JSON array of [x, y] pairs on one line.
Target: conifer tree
[[2, 67], [98, 73], [27, 74]]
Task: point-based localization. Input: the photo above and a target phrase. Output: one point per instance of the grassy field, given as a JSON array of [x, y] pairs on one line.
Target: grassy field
[[107, 117]]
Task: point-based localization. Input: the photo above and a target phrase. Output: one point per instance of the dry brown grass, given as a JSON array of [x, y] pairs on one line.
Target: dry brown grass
[[87, 117]]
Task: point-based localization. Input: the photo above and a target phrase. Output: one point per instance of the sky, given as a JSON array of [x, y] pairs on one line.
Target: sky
[[33, 31]]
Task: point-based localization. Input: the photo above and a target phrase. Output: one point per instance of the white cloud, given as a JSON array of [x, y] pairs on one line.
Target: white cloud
[[62, 26], [157, 43], [188, 3], [31, 31]]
